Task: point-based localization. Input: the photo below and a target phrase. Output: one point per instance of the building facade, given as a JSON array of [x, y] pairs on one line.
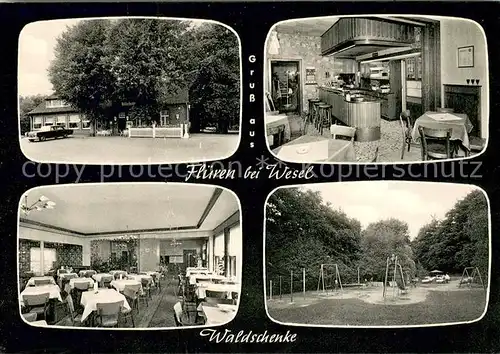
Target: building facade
[[54, 111]]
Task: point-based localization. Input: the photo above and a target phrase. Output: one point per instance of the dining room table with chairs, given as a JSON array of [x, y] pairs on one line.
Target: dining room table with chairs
[[442, 134]]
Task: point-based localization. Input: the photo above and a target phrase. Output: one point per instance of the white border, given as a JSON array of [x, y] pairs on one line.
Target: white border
[[437, 18], [194, 159], [388, 326], [160, 185]]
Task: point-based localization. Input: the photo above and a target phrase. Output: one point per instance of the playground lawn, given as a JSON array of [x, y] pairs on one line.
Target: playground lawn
[[439, 307]]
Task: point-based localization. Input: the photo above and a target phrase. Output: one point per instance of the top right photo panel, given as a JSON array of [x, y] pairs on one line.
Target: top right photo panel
[[376, 89]]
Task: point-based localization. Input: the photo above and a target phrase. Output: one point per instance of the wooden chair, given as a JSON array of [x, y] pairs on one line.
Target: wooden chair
[[178, 314], [106, 281], [406, 129], [76, 319], [146, 287], [340, 130], [375, 158], [109, 313], [131, 293], [435, 143], [157, 281], [37, 303]]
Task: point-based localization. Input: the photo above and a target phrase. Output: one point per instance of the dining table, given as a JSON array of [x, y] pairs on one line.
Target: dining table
[[31, 281], [140, 277], [88, 281], [228, 289], [277, 124], [312, 148], [53, 290], [459, 124], [119, 284], [98, 277], [217, 314], [90, 299]]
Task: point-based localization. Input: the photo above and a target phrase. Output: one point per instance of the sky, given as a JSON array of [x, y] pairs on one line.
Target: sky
[[412, 202], [36, 50]]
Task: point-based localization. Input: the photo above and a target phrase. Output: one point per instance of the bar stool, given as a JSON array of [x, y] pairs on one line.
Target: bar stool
[[325, 116], [316, 117], [312, 101]]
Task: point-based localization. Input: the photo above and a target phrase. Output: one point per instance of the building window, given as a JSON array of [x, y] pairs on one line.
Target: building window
[[49, 121], [55, 104], [176, 259], [74, 121], [37, 122], [85, 124], [61, 121], [49, 257]]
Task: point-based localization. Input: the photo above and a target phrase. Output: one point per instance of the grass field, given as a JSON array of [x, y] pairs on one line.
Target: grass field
[[437, 308]]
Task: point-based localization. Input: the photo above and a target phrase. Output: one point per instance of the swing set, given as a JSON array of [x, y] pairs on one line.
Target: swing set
[[327, 280], [398, 279], [471, 275]]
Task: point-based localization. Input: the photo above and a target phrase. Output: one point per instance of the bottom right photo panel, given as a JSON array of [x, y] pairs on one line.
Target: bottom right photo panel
[[377, 254]]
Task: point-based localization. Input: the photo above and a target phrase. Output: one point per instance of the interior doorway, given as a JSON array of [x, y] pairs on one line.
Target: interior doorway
[[286, 86]]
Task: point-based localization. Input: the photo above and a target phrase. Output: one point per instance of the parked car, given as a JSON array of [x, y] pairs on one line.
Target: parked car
[[49, 132], [428, 279]]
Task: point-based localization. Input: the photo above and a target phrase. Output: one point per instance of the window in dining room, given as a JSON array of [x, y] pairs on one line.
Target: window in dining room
[[36, 259]]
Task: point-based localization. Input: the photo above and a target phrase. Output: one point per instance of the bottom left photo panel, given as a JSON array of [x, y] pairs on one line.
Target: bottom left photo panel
[[129, 255]]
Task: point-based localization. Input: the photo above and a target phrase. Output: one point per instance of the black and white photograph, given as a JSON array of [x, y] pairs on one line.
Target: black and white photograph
[[129, 90], [377, 254], [129, 255], [376, 89]]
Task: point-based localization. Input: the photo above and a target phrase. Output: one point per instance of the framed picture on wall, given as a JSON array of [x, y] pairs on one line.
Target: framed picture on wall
[[310, 76], [466, 57]]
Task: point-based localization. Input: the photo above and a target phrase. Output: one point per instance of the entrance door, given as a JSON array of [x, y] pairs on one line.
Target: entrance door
[[190, 258], [286, 86]]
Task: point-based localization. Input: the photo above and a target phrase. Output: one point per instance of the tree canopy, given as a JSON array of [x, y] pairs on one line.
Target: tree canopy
[[460, 240], [100, 64], [26, 105]]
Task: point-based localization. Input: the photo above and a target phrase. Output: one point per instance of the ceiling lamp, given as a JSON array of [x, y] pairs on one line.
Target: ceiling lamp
[[42, 203]]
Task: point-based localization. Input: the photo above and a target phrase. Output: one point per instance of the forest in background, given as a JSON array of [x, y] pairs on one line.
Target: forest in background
[[303, 232]]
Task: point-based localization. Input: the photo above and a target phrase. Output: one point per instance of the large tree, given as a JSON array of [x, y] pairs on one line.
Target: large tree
[[303, 232], [215, 89], [26, 105], [381, 240], [148, 61], [80, 73], [460, 240], [99, 64]]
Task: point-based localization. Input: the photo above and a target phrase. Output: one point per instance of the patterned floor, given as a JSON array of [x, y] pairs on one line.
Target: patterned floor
[[389, 145]]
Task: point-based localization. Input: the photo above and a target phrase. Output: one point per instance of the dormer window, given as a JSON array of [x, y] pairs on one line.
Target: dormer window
[[55, 103]]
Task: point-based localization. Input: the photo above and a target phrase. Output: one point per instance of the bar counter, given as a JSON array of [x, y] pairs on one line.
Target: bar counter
[[363, 115]]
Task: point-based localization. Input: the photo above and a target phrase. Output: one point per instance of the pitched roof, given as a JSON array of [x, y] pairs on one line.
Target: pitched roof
[[181, 96], [42, 109]]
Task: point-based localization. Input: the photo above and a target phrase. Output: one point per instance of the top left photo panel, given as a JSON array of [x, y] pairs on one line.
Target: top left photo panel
[[129, 90]]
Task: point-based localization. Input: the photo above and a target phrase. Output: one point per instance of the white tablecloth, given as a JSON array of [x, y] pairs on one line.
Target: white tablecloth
[[113, 272], [193, 279], [97, 277], [72, 282], [39, 323], [104, 296], [218, 314], [119, 284], [53, 290], [139, 277], [65, 275], [227, 288], [31, 282]]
